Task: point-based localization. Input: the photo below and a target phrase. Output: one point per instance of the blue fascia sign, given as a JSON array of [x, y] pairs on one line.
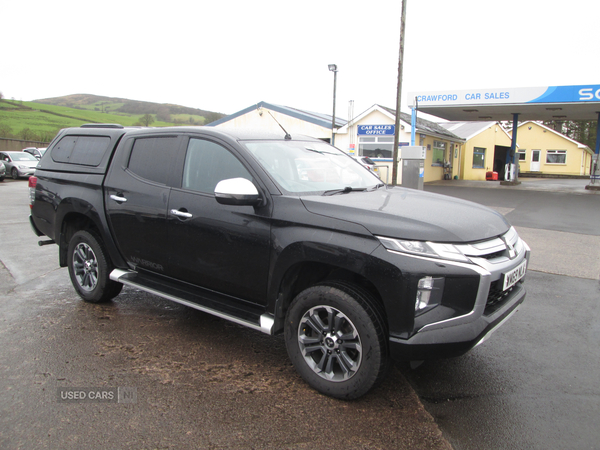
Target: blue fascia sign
[[547, 94], [374, 130]]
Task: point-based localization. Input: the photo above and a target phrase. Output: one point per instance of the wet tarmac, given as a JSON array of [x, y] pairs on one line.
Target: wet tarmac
[[202, 382], [196, 381]]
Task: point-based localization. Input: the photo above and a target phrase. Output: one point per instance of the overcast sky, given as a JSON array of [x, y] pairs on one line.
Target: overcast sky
[[225, 55]]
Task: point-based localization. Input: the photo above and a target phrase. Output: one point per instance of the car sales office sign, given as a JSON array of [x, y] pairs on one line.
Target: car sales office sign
[[376, 130], [547, 94]]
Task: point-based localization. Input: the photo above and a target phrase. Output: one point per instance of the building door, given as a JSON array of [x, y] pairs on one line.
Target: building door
[[535, 161]]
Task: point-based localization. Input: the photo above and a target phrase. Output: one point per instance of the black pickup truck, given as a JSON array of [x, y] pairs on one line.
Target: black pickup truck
[[280, 234]]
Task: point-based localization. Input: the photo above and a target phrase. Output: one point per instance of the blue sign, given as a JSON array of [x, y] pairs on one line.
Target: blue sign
[[375, 130], [542, 94], [567, 94]]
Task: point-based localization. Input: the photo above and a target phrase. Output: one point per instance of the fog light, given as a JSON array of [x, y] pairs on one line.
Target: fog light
[[429, 293]]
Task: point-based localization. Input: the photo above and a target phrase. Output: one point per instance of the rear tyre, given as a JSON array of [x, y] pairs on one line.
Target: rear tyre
[[90, 267], [336, 340]]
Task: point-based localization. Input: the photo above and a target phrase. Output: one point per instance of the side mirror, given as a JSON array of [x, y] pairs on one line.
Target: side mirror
[[237, 191]]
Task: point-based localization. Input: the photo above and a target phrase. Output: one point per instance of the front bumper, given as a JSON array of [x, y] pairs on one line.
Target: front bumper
[[455, 339], [25, 172], [492, 307]]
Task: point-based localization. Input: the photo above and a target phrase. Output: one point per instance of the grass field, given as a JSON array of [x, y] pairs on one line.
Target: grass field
[[43, 121]]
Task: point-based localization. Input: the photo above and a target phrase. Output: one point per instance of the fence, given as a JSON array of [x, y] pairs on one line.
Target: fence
[[16, 145]]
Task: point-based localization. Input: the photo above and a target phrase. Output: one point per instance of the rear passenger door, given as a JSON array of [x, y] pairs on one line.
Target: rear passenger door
[[136, 198], [219, 247]]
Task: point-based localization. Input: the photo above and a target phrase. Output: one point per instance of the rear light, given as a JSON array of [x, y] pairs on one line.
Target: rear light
[[32, 185]]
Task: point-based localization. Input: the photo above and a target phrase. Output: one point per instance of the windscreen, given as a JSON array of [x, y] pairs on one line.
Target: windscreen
[[22, 156], [305, 166]]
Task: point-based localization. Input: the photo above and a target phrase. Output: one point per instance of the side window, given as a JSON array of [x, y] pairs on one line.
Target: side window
[[207, 163], [83, 150], [151, 158]]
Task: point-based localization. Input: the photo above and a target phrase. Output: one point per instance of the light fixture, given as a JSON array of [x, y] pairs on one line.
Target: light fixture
[[470, 110]]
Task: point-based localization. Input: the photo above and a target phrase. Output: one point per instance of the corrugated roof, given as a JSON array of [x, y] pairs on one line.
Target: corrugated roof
[[424, 125], [466, 130], [323, 120]]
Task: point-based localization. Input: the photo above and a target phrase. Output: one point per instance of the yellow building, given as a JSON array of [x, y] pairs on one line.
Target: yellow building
[[545, 151], [485, 149]]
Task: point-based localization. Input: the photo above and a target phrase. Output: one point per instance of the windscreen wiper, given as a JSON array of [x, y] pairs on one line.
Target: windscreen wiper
[[345, 190], [377, 186]]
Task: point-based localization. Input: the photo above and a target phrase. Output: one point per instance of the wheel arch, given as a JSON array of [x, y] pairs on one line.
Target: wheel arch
[[84, 217], [305, 274]]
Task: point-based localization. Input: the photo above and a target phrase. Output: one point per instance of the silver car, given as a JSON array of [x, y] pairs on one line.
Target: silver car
[[19, 164], [37, 152]]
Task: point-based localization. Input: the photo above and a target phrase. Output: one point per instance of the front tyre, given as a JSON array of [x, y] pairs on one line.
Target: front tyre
[[336, 340], [15, 173], [89, 268]]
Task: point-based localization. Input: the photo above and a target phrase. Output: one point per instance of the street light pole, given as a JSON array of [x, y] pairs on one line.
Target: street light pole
[[333, 68]]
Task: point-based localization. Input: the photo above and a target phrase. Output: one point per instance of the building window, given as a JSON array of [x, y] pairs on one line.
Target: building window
[[556, 157], [522, 155], [439, 150], [376, 147], [478, 158]]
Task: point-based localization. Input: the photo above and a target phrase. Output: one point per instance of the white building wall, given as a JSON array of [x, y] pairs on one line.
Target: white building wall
[[260, 119]]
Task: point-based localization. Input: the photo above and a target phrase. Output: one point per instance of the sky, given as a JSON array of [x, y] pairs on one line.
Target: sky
[[226, 55]]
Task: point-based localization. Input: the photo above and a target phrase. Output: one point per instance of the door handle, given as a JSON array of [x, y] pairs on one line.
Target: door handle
[[182, 214], [117, 198]]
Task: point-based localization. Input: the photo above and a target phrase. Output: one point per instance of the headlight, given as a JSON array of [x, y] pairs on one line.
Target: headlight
[[422, 248]]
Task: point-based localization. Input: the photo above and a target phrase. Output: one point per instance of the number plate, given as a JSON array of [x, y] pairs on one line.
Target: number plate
[[511, 278]]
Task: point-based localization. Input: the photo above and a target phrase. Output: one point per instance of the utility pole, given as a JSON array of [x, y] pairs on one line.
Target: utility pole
[[399, 95], [333, 68]]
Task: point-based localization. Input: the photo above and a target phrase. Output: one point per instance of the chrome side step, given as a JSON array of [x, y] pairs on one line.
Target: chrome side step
[[128, 278]]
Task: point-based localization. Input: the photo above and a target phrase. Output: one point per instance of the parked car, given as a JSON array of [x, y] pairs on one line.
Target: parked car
[[2, 171], [280, 234], [367, 162], [19, 164], [37, 152]]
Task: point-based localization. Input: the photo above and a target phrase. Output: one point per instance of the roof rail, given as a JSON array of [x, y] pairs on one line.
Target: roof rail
[[102, 125]]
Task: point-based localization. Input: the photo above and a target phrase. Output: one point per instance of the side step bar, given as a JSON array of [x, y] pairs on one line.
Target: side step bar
[[129, 278]]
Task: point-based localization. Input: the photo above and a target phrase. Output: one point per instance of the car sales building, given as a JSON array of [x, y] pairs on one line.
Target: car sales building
[[534, 148], [369, 134]]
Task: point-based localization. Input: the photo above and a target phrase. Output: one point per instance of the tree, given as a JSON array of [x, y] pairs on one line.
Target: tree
[[5, 130], [27, 134], [146, 120]]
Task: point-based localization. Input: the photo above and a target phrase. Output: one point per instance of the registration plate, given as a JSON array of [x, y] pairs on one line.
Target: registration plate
[[511, 278]]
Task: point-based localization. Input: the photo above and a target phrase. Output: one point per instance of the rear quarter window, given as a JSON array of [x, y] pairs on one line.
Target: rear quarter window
[[82, 150]]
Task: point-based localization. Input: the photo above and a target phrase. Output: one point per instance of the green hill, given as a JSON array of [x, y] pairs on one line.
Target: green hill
[[42, 119]]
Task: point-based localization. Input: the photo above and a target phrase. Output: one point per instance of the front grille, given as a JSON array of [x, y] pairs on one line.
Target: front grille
[[497, 297], [494, 255], [495, 250]]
